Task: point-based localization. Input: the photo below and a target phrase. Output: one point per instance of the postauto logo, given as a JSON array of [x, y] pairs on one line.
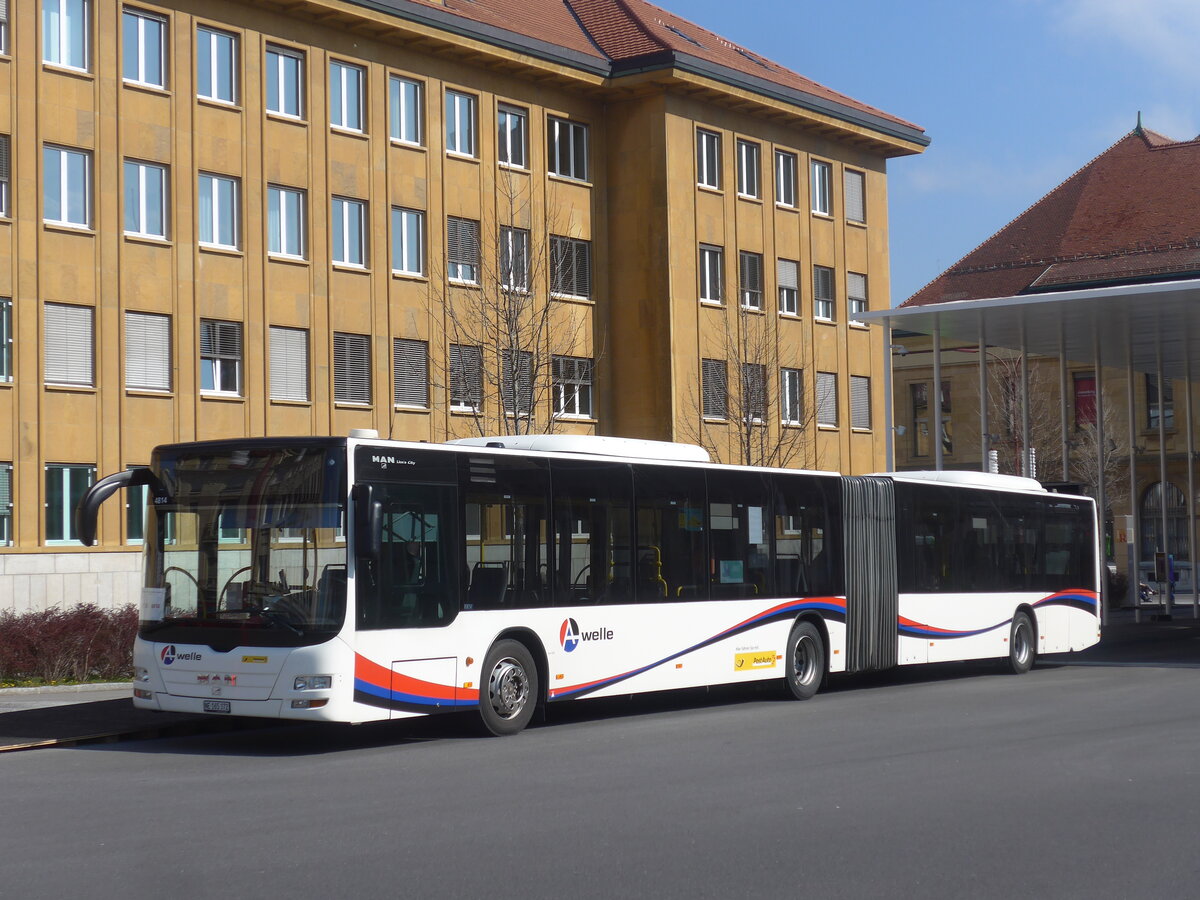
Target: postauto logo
[[169, 655], [569, 634]]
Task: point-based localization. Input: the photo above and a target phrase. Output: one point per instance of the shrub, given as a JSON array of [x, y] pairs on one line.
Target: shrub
[[77, 644]]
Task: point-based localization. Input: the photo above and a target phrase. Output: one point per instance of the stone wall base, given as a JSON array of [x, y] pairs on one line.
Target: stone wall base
[[32, 582]]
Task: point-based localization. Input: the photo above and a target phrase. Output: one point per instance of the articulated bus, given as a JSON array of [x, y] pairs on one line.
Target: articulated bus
[[357, 579]]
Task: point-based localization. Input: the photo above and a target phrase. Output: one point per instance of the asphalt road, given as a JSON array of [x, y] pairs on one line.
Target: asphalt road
[[944, 782]]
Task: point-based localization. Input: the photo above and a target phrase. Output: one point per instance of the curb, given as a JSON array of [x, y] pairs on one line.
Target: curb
[[65, 688]]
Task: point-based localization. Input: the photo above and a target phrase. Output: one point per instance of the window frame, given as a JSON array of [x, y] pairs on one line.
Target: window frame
[[749, 169], [139, 51], [71, 494], [507, 112], [750, 280], [514, 259], [6, 504], [5, 176], [708, 165], [785, 179], [219, 358], [288, 366], [63, 35], [148, 350], [822, 187], [342, 237], [278, 193], [214, 197], [348, 86], [755, 402], [215, 36], [570, 267], [72, 338], [714, 389], [791, 396], [711, 275], [824, 305], [461, 109], [64, 187], [143, 211], [860, 402], [855, 201], [416, 388], [398, 108], [277, 101], [457, 269], [856, 303], [788, 288], [827, 400], [351, 368], [572, 381], [465, 392], [402, 245], [6, 340], [576, 136]]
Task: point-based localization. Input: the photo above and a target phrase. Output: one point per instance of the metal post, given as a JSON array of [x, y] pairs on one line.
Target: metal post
[[938, 425], [1064, 429], [985, 443], [1191, 466], [1135, 547], [889, 429], [1026, 456], [1101, 496], [1162, 467]]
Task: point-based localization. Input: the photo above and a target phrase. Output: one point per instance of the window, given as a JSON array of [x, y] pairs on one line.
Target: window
[[67, 187], [1152, 402], [460, 123], [516, 382], [5, 175], [6, 505], [65, 487], [791, 396], [856, 295], [285, 82], [822, 180], [218, 211], [514, 259], [289, 364], [147, 351], [748, 168], [68, 345], [6, 339], [462, 250], [145, 199], [347, 232], [144, 43], [4, 28], [754, 392], [572, 386], [410, 372], [346, 96], [1085, 399], [135, 513], [221, 357], [216, 65], [285, 221], [827, 400], [785, 178], [750, 266], [570, 267], [408, 241], [708, 159], [65, 33], [789, 290], [921, 419], [710, 274], [351, 368], [567, 150], [855, 196], [405, 108], [511, 129], [860, 401], [715, 387], [823, 293], [466, 377]]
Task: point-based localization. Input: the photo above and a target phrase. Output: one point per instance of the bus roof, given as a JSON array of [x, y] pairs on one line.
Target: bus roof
[[596, 445], [972, 479]]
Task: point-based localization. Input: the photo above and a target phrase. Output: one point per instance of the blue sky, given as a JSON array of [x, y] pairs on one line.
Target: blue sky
[[1015, 94]]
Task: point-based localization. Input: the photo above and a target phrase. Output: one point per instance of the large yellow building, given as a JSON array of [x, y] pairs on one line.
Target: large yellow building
[[433, 219]]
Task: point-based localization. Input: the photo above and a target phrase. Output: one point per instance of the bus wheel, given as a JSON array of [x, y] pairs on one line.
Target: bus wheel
[[805, 660], [510, 688], [1021, 646]]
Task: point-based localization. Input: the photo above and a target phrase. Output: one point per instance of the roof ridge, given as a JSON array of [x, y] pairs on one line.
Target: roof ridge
[[1187, 244]]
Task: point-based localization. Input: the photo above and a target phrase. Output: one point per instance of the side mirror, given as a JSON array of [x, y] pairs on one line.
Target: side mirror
[[88, 510], [368, 523]]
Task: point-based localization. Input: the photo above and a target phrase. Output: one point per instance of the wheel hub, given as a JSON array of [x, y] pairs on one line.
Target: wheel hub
[[508, 688]]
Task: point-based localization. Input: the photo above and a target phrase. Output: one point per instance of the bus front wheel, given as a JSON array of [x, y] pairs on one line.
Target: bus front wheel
[[509, 690], [1022, 648], [805, 660]]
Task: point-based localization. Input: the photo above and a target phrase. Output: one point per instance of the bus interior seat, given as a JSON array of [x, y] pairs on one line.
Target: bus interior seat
[[331, 592], [489, 583]]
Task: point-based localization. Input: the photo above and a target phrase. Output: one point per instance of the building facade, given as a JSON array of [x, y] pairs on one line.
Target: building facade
[[224, 219]]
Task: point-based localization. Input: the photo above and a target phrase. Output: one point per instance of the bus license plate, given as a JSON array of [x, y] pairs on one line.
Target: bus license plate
[[216, 706]]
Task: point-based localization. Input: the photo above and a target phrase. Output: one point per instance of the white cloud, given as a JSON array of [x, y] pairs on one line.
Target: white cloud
[[1165, 33]]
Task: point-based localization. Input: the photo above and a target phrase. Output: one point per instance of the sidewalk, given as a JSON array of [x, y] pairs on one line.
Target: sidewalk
[[47, 717]]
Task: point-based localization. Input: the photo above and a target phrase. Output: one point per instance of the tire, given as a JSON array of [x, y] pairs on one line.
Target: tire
[[1022, 645], [508, 692], [804, 661]]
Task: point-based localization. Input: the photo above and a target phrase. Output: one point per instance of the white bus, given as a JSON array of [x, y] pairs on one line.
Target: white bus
[[356, 579]]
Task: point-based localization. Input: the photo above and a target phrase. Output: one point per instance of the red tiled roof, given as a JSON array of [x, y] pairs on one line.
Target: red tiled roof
[[624, 31], [1132, 213]]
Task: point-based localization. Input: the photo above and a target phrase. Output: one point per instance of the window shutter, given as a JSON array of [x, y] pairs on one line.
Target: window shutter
[[524, 381], [5, 483], [351, 368], [410, 372], [3, 10], [754, 390], [220, 340], [68, 344], [827, 398], [860, 401], [466, 376], [583, 268], [289, 363], [716, 389], [855, 204], [823, 282], [751, 272], [786, 273], [5, 155], [856, 286], [147, 351], [463, 241]]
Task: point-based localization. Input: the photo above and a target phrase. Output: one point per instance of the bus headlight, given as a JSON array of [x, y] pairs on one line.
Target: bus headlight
[[140, 673], [312, 683]]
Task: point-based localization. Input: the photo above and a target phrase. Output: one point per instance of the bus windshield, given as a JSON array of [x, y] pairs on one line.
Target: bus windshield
[[248, 546]]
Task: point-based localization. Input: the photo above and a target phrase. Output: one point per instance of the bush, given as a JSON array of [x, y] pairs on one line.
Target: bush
[[82, 643]]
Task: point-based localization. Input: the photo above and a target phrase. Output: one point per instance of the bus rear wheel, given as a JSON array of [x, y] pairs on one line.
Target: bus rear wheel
[[1022, 648], [509, 691], [804, 660]]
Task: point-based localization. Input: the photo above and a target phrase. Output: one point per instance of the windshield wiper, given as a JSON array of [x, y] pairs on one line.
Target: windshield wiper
[[275, 617]]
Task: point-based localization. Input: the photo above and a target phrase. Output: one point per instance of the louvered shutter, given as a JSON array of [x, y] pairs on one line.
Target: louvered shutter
[[827, 399], [3, 10], [855, 202], [351, 368], [5, 155], [856, 286], [5, 488], [860, 401], [466, 377], [754, 391], [786, 273], [221, 340], [68, 345], [751, 279], [410, 372], [463, 237], [289, 364], [147, 351], [523, 376], [791, 395], [562, 263], [716, 389], [583, 268], [822, 283]]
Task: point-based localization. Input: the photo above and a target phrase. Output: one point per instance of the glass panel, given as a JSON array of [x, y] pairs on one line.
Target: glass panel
[[670, 556]]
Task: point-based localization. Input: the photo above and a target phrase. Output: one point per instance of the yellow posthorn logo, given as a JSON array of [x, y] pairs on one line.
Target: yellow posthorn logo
[[254, 659], [758, 659]]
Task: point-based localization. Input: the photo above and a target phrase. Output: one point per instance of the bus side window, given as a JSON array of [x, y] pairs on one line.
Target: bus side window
[[672, 561], [592, 532], [805, 558], [739, 535]]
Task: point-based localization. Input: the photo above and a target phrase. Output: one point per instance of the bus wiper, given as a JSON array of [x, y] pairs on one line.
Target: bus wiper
[[275, 617]]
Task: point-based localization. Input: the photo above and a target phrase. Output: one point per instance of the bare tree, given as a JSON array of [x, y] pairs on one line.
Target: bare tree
[[510, 347]]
